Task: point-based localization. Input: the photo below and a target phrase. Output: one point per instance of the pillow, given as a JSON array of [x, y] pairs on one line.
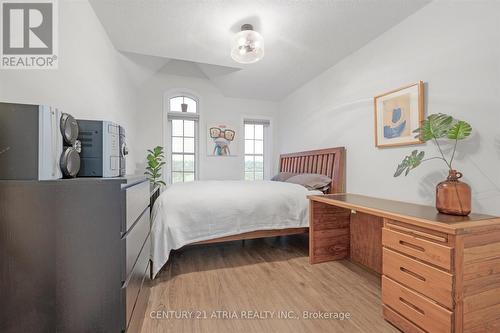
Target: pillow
[[311, 181], [283, 176]]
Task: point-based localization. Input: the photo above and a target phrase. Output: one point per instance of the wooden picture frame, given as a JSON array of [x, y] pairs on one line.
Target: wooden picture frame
[[397, 114]]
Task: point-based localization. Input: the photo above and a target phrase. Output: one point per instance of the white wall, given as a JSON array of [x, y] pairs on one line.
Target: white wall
[[90, 82], [453, 46], [214, 107]]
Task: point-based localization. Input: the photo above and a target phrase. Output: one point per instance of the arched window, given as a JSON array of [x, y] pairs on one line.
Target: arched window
[[182, 115], [183, 104]]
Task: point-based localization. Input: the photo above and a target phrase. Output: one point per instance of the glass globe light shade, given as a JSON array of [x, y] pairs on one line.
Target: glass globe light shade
[[248, 46]]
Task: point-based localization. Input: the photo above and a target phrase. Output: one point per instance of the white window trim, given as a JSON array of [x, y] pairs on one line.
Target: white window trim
[[268, 143], [167, 130]]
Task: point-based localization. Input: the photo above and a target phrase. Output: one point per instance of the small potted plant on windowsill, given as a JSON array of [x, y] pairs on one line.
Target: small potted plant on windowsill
[[155, 164], [452, 196]]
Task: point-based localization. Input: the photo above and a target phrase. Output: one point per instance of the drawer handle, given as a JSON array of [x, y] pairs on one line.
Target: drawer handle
[[412, 246], [411, 306], [415, 275]]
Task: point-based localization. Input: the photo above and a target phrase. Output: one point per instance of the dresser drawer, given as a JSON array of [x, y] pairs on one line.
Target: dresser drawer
[[431, 252], [428, 315], [137, 316], [133, 284], [136, 200], [432, 282], [133, 241]]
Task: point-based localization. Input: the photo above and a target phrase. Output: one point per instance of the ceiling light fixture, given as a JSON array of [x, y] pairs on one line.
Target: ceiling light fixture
[[248, 45]]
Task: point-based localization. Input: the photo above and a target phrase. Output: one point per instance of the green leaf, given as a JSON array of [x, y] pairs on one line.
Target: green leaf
[[460, 131], [409, 163], [434, 127], [158, 150]]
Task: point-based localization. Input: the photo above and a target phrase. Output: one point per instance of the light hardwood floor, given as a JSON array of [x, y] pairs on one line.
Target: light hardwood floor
[[271, 274]]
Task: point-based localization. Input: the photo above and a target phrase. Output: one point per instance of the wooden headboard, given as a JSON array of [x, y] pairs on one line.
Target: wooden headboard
[[329, 162]]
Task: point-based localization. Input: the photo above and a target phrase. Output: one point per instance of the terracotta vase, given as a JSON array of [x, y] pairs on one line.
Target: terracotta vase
[[453, 196], [184, 107]]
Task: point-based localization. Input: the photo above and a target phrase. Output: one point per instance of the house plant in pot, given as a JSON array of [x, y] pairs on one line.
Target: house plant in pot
[[155, 164], [452, 195]]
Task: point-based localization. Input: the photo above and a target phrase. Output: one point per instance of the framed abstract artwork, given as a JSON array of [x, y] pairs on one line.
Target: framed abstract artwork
[[398, 113]]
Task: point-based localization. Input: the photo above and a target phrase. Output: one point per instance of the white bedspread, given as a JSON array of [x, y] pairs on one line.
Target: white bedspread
[[195, 211]]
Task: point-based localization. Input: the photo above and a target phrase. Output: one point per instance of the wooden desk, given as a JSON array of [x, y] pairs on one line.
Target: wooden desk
[[440, 273]]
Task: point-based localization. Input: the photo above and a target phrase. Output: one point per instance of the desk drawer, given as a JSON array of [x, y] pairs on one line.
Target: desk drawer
[[136, 200], [431, 252], [432, 282], [399, 321], [418, 309], [418, 232]]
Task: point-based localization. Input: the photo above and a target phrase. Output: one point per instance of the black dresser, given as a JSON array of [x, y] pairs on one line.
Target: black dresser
[[74, 255]]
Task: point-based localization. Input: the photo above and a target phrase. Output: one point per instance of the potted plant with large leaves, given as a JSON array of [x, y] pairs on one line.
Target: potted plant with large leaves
[[155, 164], [452, 195]]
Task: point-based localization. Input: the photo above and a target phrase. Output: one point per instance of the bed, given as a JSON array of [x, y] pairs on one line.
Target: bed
[[205, 212]]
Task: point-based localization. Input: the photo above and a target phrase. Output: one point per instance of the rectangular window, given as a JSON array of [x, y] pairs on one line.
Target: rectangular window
[[255, 151], [183, 150]]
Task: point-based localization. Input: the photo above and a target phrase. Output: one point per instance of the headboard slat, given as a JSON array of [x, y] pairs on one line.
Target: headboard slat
[[329, 166], [320, 164], [324, 169], [329, 162]]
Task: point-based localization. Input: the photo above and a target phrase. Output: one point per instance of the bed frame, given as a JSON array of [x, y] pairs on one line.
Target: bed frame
[[329, 162]]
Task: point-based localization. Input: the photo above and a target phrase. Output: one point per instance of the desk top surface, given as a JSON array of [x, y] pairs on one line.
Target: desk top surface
[[426, 216]]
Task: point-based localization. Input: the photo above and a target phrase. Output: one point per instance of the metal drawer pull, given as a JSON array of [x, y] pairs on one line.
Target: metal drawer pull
[[415, 275], [412, 246], [411, 306]]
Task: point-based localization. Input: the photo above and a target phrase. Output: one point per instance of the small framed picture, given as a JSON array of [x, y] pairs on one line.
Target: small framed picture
[[398, 113], [220, 140]]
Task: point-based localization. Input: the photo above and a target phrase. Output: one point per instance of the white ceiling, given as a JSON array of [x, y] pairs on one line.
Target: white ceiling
[[302, 37]]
